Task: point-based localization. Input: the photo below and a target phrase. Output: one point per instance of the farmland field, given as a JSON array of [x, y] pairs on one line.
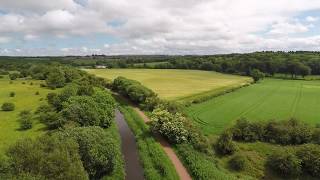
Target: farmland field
[[175, 84], [269, 99], [25, 99]]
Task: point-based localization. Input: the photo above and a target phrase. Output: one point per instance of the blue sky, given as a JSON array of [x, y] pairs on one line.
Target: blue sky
[[81, 27]]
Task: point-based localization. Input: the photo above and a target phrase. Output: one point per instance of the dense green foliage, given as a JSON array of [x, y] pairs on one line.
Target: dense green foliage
[[169, 125], [257, 75], [310, 157], [25, 118], [225, 145], [285, 164], [46, 158], [238, 162], [201, 165], [84, 110], [8, 106], [281, 132], [96, 148], [132, 89], [155, 162]]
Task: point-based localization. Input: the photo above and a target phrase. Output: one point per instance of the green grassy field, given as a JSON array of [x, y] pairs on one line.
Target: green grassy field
[[175, 84], [25, 99], [269, 99]]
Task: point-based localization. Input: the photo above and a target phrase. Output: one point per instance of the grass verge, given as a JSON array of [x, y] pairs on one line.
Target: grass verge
[[154, 160], [118, 172]]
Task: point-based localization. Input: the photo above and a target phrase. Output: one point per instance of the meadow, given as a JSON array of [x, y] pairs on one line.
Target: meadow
[[269, 99], [25, 99], [175, 84]]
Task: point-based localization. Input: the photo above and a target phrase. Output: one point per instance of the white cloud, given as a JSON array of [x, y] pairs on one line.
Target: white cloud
[[4, 39], [283, 28], [30, 37], [166, 26], [311, 19]]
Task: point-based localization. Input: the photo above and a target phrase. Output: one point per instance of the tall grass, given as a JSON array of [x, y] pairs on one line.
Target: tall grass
[[156, 164]]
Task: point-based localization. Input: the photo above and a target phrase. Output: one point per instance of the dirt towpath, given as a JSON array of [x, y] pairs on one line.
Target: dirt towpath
[[133, 168], [181, 170]]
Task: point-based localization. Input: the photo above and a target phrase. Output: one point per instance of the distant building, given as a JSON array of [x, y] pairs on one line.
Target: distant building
[[100, 67]]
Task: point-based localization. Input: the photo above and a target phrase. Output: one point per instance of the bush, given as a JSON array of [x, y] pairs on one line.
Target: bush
[[8, 106], [96, 148], [25, 119], [12, 94], [310, 156], [225, 145], [256, 74], [90, 111], [238, 162], [37, 93], [107, 105], [56, 78], [243, 130], [169, 125], [285, 164], [49, 117], [316, 136], [284, 132], [132, 89], [48, 157], [14, 76]]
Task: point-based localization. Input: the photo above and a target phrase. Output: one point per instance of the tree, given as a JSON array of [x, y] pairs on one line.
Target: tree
[[257, 75], [47, 157], [285, 163], [7, 106], [56, 78], [169, 125], [25, 119], [89, 111], [12, 94], [97, 150], [304, 70], [50, 117], [310, 156], [14, 76], [225, 145], [238, 162]]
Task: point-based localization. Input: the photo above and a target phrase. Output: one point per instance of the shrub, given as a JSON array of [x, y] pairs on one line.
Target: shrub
[[97, 150], [107, 105], [25, 119], [246, 131], [37, 93], [8, 106], [48, 157], [256, 74], [225, 145], [132, 89], [169, 125], [285, 164], [90, 111], [310, 156], [238, 162], [13, 76], [316, 136], [12, 94], [49, 117], [56, 78]]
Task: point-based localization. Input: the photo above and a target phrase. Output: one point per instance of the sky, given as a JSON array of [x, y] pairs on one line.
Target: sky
[[174, 27]]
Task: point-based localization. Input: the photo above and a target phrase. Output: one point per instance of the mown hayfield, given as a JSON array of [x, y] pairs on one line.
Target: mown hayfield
[[175, 84], [25, 99], [269, 99]]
